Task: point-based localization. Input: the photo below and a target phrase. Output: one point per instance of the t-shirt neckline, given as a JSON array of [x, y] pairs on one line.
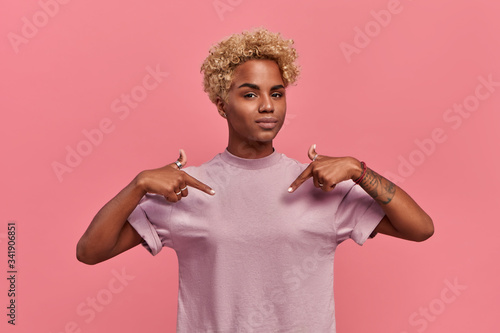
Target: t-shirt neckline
[[251, 163]]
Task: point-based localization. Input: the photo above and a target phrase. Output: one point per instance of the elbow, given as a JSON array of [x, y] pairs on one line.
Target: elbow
[[426, 231], [83, 256]]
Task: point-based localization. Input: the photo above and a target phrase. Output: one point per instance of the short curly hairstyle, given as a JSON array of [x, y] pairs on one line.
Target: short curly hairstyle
[[218, 68]]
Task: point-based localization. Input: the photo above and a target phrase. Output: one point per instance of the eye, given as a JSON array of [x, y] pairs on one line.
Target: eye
[[277, 95], [250, 95]]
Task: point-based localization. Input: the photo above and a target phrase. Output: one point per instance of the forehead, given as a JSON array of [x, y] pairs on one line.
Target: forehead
[[258, 71]]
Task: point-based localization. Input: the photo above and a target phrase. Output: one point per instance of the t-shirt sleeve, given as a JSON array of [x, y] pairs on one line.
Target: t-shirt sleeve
[[151, 220], [357, 215]]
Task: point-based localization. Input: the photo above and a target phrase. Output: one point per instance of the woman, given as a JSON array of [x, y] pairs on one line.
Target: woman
[[255, 238]]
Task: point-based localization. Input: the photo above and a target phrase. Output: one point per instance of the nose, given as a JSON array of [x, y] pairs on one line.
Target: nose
[[267, 104]]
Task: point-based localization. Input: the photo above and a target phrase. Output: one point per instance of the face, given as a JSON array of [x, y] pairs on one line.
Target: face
[[256, 104]]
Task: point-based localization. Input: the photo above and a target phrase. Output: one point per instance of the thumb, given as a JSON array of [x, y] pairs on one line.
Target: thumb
[[312, 152], [182, 160], [182, 157]]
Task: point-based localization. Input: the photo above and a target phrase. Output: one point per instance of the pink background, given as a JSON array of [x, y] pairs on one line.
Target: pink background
[[376, 104]]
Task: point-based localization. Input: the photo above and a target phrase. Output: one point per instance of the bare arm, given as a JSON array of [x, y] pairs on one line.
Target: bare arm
[[110, 234], [403, 216]]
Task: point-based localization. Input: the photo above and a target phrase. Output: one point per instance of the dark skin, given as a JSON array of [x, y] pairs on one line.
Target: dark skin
[[403, 217], [255, 110], [257, 94]]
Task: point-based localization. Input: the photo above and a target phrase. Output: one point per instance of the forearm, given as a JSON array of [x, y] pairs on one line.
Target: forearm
[[103, 232], [403, 217], [404, 214]]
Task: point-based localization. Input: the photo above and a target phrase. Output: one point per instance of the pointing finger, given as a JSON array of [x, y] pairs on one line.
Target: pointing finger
[[193, 182], [307, 173]]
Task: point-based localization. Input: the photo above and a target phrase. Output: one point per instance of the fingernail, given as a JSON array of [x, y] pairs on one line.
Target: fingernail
[[314, 146], [290, 189], [212, 192]]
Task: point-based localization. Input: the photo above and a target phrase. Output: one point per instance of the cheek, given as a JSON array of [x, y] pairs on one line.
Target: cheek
[[239, 119], [281, 108]]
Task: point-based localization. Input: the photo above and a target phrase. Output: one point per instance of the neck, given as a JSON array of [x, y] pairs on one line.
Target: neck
[[250, 150]]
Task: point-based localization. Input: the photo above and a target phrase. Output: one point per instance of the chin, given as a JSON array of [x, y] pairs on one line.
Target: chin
[[266, 138]]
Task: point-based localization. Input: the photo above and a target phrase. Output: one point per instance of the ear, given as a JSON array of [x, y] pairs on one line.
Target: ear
[[220, 106]]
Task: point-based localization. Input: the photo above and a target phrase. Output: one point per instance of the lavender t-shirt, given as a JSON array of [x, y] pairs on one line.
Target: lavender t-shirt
[[253, 257]]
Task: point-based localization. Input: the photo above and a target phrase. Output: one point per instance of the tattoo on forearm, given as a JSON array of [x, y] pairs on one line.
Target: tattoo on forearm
[[378, 187]]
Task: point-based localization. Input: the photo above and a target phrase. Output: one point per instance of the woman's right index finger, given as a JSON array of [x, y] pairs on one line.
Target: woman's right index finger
[[193, 182]]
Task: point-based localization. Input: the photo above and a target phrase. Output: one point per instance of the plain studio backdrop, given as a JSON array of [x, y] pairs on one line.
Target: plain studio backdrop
[[93, 93]]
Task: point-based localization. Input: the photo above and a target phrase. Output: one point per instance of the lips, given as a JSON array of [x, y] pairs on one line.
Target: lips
[[267, 122]]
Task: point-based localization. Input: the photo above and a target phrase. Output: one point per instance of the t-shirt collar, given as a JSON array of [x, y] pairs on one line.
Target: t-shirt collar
[[251, 163]]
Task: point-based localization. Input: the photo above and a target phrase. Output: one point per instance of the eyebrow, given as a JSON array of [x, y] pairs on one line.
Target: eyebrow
[[256, 87]]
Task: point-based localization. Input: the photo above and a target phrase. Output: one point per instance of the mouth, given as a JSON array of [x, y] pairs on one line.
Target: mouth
[[267, 122]]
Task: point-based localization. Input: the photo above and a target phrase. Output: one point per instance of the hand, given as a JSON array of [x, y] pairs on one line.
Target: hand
[[327, 171], [170, 181]]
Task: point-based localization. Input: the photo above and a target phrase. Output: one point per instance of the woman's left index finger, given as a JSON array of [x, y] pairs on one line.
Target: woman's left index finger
[[305, 175]]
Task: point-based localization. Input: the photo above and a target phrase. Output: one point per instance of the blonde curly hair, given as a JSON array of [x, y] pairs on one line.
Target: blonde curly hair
[[218, 68]]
